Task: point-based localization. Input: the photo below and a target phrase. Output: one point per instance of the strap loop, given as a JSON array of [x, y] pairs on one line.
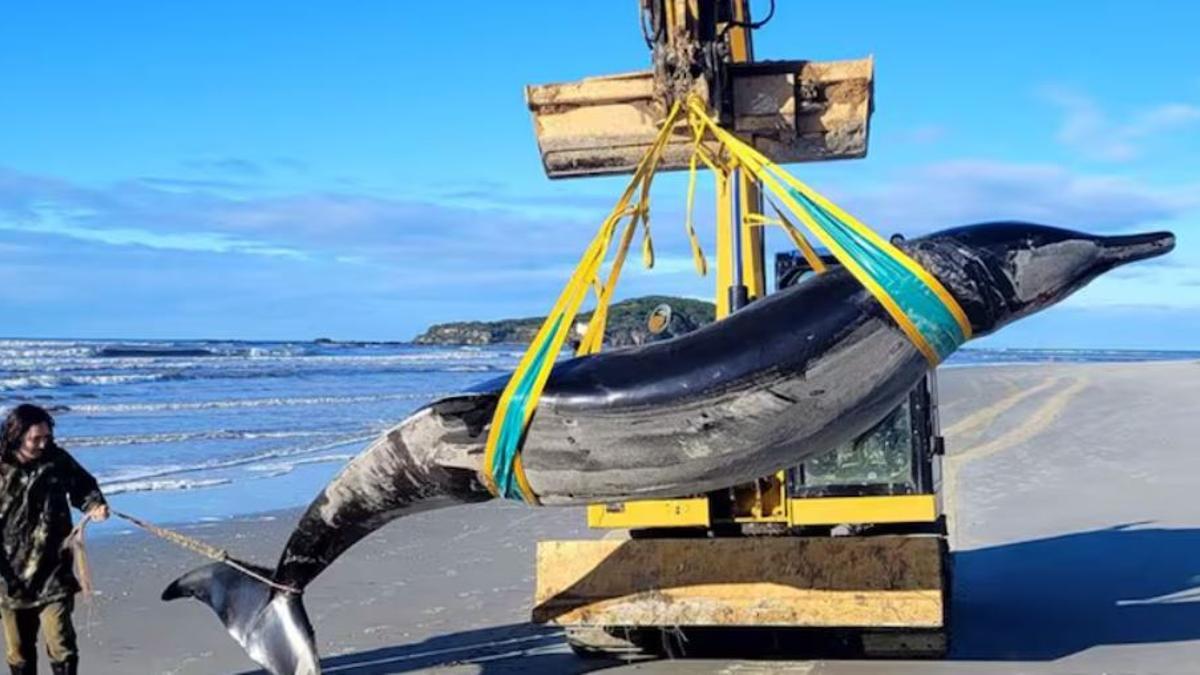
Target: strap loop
[[502, 470]]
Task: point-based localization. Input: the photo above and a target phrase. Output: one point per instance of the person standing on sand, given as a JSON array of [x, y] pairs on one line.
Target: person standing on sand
[[38, 480]]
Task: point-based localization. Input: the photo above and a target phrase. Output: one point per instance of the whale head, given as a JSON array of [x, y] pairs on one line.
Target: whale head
[[1000, 272]]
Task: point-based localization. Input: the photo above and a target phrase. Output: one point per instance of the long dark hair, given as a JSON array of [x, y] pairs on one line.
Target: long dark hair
[[19, 421]]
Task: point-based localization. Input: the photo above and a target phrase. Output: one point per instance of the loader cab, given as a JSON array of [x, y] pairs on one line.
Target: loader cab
[[885, 479], [899, 456]]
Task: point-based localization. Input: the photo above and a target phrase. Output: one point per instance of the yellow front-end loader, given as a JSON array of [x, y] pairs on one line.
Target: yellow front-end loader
[[846, 551]]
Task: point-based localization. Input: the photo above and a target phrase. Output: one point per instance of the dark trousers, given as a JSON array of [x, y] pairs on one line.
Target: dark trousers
[[21, 633]]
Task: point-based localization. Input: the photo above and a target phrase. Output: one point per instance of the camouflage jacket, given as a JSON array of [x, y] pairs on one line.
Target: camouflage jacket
[[35, 521]]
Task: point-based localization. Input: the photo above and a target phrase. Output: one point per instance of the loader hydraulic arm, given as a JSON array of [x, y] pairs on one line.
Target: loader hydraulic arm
[[693, 42]]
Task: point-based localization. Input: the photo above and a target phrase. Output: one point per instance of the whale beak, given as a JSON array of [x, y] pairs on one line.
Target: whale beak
[[1132, 247]]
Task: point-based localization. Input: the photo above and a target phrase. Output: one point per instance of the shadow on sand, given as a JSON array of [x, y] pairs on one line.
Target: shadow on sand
[[1036, 600], [515, 648], [1048, 598]]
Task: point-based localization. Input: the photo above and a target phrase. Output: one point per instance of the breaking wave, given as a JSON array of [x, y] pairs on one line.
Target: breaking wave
[[274, 469], [161, 485], [181, 437], [55, 381], [173, 417], [101, 408], [162, 471]]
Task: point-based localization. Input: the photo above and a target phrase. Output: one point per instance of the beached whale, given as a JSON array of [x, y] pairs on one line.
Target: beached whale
[[790, 376]]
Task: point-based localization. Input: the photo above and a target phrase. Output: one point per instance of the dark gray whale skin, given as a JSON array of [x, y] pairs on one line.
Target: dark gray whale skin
[[790, 376]]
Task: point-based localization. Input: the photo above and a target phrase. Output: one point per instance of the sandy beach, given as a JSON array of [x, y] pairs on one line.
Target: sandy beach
[[1071, 488]]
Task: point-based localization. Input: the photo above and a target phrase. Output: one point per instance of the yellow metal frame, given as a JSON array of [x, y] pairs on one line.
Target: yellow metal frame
[[863, 510], [818, 582], [725, 248], [636, 514], [801, 511]]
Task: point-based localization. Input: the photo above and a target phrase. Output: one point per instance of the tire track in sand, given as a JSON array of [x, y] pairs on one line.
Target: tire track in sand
[[1036, 423], [984, 416]]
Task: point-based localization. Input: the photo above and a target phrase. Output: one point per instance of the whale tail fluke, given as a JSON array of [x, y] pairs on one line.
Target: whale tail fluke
[[270, 625]]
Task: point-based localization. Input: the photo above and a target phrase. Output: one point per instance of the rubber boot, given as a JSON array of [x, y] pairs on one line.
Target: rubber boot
[[68, 667]]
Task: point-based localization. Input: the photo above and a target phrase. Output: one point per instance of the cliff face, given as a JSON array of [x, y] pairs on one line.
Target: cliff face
[[480, 332], [627, 324]]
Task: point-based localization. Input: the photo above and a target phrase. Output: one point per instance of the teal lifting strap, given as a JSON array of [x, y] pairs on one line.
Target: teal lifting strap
[[919, 303]]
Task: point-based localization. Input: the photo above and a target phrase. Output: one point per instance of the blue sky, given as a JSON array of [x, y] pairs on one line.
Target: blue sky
[[360, 170]]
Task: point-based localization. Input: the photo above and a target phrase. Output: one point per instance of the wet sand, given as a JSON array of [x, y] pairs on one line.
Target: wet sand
[[1073, 496]]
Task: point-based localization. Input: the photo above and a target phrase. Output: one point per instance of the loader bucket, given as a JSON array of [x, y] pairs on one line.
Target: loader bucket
[[792, 111]]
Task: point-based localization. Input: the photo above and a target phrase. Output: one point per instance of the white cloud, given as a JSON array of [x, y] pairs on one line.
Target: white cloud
[[47, 219], [1089, 130], [350, 254], [927, 198], [225, 166], [350, 226], [958, 192], [926, 134], [1166, 289]]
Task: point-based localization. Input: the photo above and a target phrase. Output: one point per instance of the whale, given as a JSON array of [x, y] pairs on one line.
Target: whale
[[789, 377]]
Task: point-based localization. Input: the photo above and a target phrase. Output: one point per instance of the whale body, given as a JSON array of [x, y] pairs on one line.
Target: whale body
[[789, 377]]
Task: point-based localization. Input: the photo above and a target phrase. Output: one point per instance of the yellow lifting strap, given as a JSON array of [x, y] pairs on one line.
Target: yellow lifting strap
[[797, 237], [502, 469], [925, 311]]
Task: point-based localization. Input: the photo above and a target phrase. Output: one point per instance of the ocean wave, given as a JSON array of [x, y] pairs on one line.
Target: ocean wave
[[35, 342], [34, 376], [56, 381], [1018, 355], [237, 369], [162, 485], [210, 363], [191, 350], [181, 437], [51, 349], [274, 469], [134, 355], [122, 351], [101, 408], [36, 352], [283, 453]]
